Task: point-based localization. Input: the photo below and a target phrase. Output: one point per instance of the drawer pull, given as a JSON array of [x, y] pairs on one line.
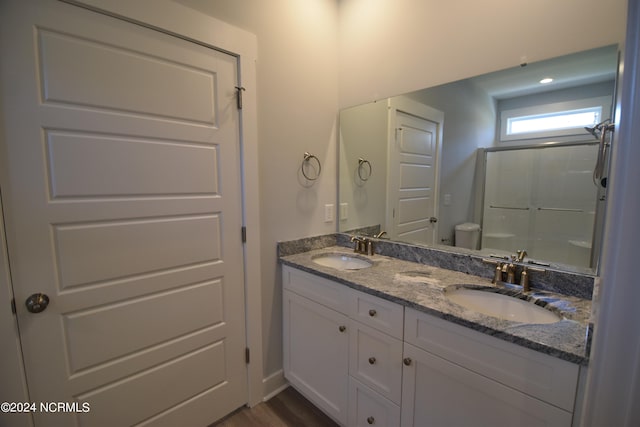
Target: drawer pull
[[407, 361], [371, 420], [372, 360], [342, 328], [372, 312]]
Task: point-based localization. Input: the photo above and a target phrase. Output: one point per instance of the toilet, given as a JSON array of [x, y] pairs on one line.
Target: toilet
[[467, 235]]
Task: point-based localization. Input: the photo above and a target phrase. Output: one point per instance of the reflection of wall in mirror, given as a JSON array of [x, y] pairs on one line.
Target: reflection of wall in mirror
[[363, 134], [472, 122], [473, 109]]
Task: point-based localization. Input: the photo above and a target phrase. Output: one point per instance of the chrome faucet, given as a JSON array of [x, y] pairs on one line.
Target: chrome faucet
[[360, 246], [524, 280], [371, 247], [510, 270], [501, 269], [505, 271], [497, 277], [521, 254], [364, 246]]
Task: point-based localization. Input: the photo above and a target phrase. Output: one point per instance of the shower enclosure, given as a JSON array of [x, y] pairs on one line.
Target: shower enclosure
[[543, 200]]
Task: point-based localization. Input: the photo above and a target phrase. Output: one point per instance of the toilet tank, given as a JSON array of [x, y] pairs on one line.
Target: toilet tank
[[467, 235]]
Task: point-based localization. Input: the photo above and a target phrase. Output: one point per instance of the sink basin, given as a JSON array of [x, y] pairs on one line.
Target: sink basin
[[487, 301], [342, 261]]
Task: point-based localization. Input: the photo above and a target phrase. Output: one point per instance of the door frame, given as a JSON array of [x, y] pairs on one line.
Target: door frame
[[182, 22], [402, 104], [12, 374]]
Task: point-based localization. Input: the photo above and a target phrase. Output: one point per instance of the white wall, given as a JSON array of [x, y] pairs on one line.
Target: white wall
[[297, 112], [435, 42]]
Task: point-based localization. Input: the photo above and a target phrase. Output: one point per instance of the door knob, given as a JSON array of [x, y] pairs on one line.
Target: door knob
[[37, 303], [407, 361], [433, 219]]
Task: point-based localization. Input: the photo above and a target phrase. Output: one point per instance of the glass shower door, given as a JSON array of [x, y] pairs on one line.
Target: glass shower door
[[542, 200]]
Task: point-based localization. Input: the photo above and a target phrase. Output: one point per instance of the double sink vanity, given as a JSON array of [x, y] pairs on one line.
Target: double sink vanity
[[415, 336]]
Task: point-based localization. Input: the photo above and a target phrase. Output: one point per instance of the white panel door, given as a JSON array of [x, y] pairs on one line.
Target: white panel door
[[123, 206], [412, 161]]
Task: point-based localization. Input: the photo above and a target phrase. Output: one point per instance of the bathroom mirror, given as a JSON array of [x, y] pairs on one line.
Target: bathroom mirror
[[423, 164]]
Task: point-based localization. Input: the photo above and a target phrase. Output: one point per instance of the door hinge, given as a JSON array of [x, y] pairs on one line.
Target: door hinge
[[13, 306], [398, 130], [239, 90], [244, 234], [247, 356]]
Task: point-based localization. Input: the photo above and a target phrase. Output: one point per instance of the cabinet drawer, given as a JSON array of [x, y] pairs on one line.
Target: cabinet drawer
[[326, 292], [545, 377], [367, 408], [375, 359], [378, 313]]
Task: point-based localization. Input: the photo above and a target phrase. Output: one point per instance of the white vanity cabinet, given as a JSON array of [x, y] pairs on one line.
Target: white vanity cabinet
[[457, 376], [366, 361], [316, 341], [343, 349]]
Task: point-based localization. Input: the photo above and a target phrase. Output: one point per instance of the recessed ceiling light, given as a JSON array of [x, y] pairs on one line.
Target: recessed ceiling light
[[546, 80]]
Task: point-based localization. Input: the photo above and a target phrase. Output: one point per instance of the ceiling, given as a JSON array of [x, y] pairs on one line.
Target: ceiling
[[592, 66]]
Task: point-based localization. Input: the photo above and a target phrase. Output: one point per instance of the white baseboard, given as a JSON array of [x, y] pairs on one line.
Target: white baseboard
[[273, 384]]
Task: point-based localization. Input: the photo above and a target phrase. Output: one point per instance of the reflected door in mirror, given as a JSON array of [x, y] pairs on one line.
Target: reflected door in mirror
[[412, 179]]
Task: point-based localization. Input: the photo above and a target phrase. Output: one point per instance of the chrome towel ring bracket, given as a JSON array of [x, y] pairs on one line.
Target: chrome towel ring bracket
[[364, 169], [308, 164]]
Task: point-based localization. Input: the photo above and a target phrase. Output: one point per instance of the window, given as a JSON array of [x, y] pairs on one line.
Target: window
[[553, 120]]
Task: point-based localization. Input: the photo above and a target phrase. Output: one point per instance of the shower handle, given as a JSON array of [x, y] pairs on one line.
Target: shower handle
[[602, 149]]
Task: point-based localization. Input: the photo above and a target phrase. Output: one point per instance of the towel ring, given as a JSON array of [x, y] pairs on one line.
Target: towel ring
[[361, 165], [307, 158]]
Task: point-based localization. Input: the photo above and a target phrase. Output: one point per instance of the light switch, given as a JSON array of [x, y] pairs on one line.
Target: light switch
[[328, 212], [447, 199], [344, 211]]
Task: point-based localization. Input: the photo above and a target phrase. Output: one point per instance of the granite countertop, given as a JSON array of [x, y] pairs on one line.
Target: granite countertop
[[423, 287]]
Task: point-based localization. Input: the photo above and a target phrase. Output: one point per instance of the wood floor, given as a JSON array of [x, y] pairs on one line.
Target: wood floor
[[287, 409]]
